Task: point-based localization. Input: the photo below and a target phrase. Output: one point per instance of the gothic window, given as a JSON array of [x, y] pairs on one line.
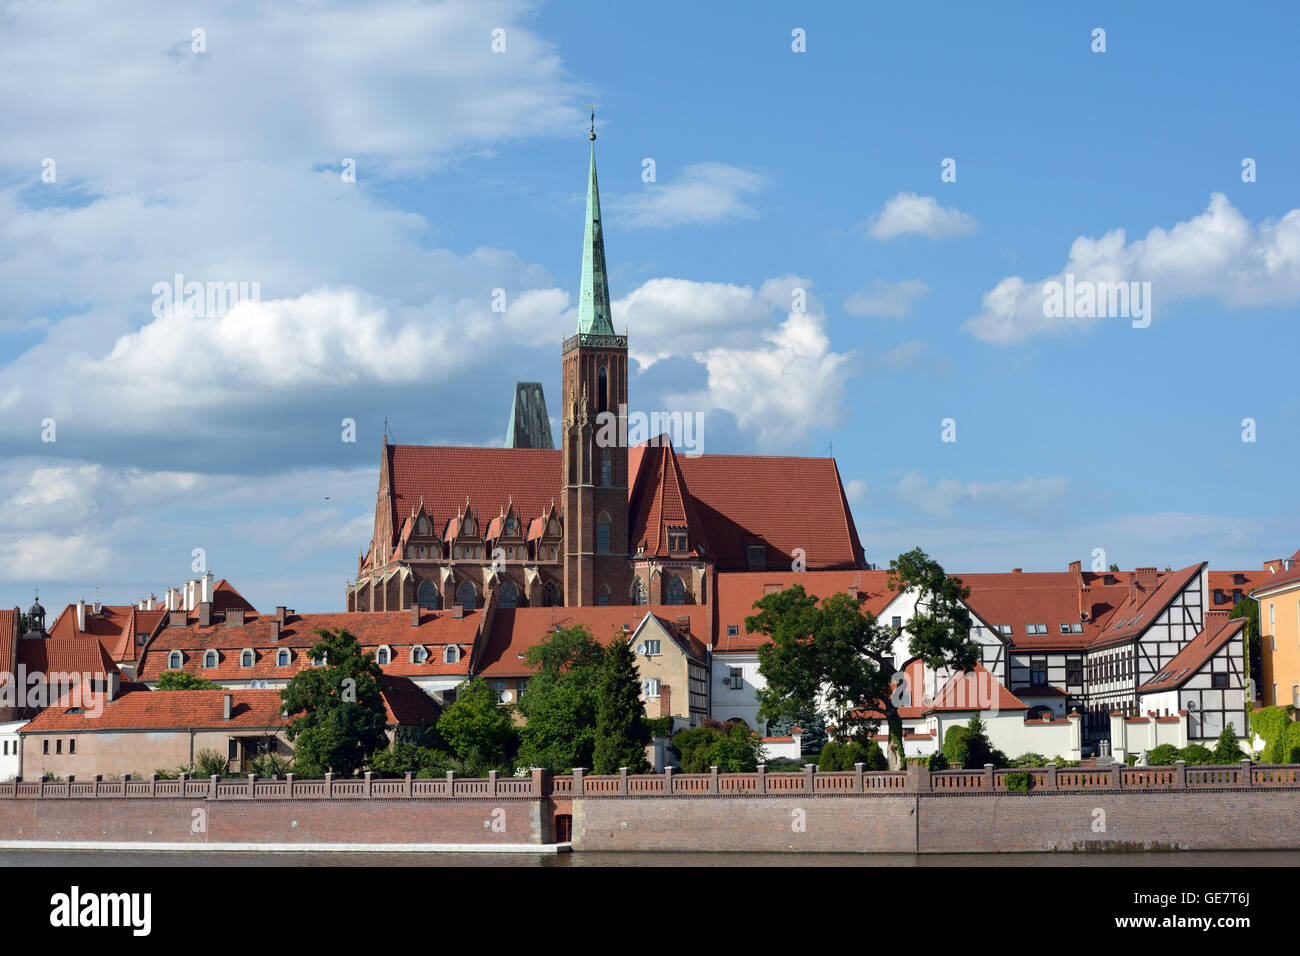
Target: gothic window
[[470, 526], [174, 661], [427, 596], [382, 657], [677, 540], [552, 554], [282, 658], [423, 526], [551, 595], [418, 654], [210, 659], [510, 553], [512, 526], [639, 592], [509, 594], [606, 468], [602, 390], [675, 592], [410, 551], [478, 553], [552, 528], [423, 551], [455, 553], [602, 534], [451, 654], [246, 659], [467, 595], [602, 599]]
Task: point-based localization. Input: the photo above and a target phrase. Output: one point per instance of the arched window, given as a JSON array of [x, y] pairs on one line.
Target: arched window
[[427, 596], [551, 595], [418, 654], [451, 654], [246, 658], [383, 656], [423, 526], [510, 594], [675, 591], [606, 468], [174, 660], [602, 534], [282, 658], [602, 390], [423, 551], [602, 599], [209, 659], [639, 591], [467, 595]]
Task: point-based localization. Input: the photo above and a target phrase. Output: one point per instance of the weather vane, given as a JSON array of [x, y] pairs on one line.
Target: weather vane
[[592, 133]]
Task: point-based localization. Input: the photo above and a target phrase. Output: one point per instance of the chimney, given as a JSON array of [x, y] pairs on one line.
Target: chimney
[[227, 704], [1132, 585], [1017, 570], [280, 613], [191, 588], [206, 588], [1214, 622], [81, 614], [205, 614], [1085, 604], [169, 598], [415, 615], [114, 685], [457, 612], [1273, 566], [1147, 577], [177, 618], [1076, 567], [797, 734], [150, 604], [275, 631], [235, 617]]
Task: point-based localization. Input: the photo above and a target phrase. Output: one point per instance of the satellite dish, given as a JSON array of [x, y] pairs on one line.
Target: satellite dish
[[507, 696], [641, 649], [1191, 705]]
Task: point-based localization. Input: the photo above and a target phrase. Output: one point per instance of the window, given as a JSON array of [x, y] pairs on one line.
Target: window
[[232, 751], [676, 540], [424, 552], [606, 468], [757, 557], [1074, 671], [467, 595], [1295, 695], [1035, 628], [896, 623], [523, 686], [675, 591], [735, 678], [651, 687], [174, 660], [1219, 681], [282, 658], [427, 596], [652, 649], [1236, 596], [318, 661], [510, 594], [422, 527], [500, 687], [552, 554], [733, 630], [45, 746], [1004, 630], [451, 654], [72, 745], [418, 654], [602, 534], [382, 656], [639, 592], [1038, 672], [246, 658], [602, 390], [1218, 595], [210, 659], [58, 746]]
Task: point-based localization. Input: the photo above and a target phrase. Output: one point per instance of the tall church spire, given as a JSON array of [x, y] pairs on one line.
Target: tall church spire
[[593, 296]]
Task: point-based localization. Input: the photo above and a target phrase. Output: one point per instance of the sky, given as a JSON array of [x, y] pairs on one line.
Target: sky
[[380, 170]]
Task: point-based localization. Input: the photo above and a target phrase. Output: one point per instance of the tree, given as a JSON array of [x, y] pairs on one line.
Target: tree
[[732, 748], [620, 714], [1113, 569], [831, 651], [184, 680], [477, 728], [1227, 750], [561, 701], [1249, 609], [337, 709], [812, 723]]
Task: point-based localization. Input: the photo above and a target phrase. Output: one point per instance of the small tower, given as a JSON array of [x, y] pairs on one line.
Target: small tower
[[36, 619]]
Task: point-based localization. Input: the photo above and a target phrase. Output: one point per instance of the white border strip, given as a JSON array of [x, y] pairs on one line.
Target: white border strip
[[539, 849]]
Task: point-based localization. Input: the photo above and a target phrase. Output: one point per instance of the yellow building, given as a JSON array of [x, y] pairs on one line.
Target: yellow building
[[1279, 626]]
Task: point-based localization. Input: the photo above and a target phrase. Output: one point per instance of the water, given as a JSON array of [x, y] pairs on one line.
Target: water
[[115, 858]]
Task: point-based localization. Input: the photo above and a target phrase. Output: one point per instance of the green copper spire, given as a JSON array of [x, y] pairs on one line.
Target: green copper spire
[[593, 297]]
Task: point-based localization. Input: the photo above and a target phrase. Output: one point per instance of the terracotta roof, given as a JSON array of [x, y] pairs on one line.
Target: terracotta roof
[[515, 630], [1134, 616], [372, 629], [1040, 690], [64, 655], [405, 705], [658, 501], [917, 707], [783, 503], [976, 690], [164, 710], [735, 592], [1049, 598], [1280, 578], [1218, 631], [224, 597]]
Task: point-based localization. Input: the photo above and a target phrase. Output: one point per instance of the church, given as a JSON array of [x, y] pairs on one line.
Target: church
[[597, 521]]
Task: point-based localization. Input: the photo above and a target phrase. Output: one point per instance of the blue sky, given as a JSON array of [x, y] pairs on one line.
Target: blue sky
[[774, 170]]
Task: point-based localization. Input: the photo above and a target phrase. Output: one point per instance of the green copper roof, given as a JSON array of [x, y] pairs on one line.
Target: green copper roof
[[593, 297], [529, 426]]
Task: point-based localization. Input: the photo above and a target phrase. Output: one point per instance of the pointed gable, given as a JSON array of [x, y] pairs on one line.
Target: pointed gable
[[660, 501]]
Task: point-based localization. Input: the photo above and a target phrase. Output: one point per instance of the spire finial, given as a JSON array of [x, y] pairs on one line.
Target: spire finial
[[592, 132]]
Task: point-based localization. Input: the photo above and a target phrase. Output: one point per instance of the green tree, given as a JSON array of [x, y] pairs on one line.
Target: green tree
[[834, 652], [736, 750], [184, 680], [478, 729], [1227, 750], [561, 701], [337, 710], [620, 714], [1249, 609], [812, 723]]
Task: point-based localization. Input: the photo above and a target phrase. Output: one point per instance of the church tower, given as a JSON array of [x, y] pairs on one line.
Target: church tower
[[594, 408]]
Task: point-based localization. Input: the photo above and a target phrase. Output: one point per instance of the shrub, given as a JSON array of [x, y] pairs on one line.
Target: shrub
[[937, 761], [210, 763], [660, 726], [1196, 755], [844, 756], [271, 765], [1163, 756], [1272, 724], [732, 748], [1021, 781], [956, 746], [1029, 760], [785, 765], [1227, 750]]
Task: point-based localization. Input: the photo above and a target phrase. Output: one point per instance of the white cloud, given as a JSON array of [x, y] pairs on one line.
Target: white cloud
[[704, 194], [856, 490], [666, 317], [941, 496], [912, 214], [1218, 254], [886, 300]]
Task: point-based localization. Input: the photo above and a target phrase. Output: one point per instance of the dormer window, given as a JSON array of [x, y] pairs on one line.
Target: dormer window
[[422, 526], [677, 540], [246, 658], [282, 658], [451, 654], [174, 660], [318, 661], [209, 659], [418, 654], [757, 555], [383, 656], [512, 526]]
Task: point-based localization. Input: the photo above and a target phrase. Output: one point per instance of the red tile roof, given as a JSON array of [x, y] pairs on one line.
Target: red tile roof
[[514, 631], [64, 655], [1218, 631], [372, 629], [405, 705], [1280, 577], [164, 710], [736, 591], [1135, 615], [977, 689], [658, 501]]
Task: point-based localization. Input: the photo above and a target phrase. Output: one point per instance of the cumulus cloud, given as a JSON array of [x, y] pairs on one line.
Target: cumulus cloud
[[1217, 254], [856, 489], [703, 194], [886, 300], [910, 214], [942, 496]]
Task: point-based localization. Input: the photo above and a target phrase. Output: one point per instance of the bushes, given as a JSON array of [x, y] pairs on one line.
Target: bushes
[[843, 756], [1163, 756], [1196, 755], [970, 747], [1281, 734], [937, 761], [1021, 781], [731, 748], [210, 763], [1029, 760]]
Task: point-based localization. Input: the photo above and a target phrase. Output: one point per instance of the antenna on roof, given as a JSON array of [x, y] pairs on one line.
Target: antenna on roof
[[830, 447], [388, 432]]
